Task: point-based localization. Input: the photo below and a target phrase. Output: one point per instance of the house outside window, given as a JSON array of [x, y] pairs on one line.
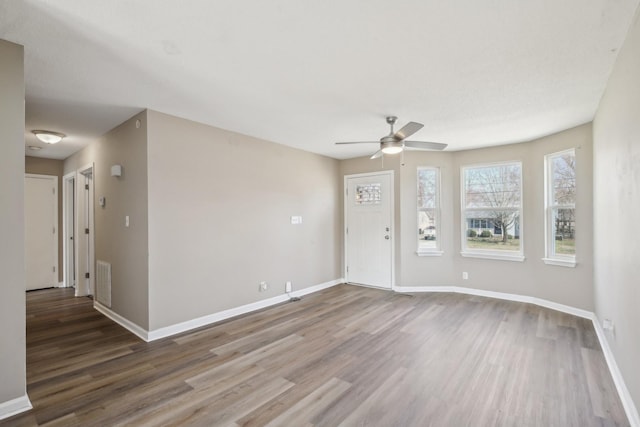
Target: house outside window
[[560, 208], [428, 213], [492, 211]]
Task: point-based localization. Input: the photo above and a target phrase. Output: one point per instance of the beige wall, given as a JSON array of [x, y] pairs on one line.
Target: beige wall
[[12, 302], [423, 270], [54, 167], [126, 248], [570, 286], [219, 219], [617, 208]]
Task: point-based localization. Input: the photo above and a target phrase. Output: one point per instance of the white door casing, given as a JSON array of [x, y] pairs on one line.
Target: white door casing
[[68, 213], [84, 234], [369, 229], [41, 231]]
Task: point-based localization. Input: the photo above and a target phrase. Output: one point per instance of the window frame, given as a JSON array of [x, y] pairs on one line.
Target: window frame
[[502, 255], [550, 257], [422, 251]]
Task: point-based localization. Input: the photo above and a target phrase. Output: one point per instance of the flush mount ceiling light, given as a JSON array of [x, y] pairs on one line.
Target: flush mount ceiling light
[[48, 137]]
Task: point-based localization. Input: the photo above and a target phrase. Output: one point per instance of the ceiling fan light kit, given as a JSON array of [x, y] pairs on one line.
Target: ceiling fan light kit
[[395, 143], [48, 137], [391, 147]]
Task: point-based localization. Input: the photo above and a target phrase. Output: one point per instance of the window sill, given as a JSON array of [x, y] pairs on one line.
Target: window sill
[[494, 255], [428, 253], [571, 263]]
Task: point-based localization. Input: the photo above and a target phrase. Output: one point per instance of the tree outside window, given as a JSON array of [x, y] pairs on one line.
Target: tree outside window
[[560, 205], [492, 202]]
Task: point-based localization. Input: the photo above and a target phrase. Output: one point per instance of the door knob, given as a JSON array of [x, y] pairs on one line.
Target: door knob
[[386, 237]]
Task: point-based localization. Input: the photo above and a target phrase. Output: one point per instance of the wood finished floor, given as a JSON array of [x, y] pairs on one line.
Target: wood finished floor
[[347, 356]]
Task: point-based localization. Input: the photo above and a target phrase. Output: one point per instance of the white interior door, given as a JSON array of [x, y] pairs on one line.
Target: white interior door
[[369, 233], [41, 231], [83, 237]]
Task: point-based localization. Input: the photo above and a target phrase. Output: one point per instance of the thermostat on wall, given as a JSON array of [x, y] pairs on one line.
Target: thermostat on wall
[[116, 170]]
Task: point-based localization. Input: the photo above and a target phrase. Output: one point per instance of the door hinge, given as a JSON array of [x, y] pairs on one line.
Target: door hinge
[[86, 231], [54, 269], [53, 190], [347, 230], [86, 186], [347, 268], [54, 230], [86, 275]]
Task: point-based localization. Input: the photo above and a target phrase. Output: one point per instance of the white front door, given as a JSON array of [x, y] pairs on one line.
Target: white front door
[[41, 231], [368, 231]]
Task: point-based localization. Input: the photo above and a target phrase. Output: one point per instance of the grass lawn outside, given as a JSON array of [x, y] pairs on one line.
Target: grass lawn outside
[[563, 247], [566, 246], [493, 243]]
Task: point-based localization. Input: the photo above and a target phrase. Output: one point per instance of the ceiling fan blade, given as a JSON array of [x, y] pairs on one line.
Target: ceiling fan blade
[[376, 155], [424, 145], [407, 130], [359, 142]]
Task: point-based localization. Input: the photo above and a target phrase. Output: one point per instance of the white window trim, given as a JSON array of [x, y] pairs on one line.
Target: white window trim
[[429, 252], [560, 262], [487, 253], [437, 251], [550, 257]]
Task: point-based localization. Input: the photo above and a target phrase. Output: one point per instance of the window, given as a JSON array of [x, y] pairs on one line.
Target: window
[[368, 194], [560, 207], [492, 211], [429, 211]]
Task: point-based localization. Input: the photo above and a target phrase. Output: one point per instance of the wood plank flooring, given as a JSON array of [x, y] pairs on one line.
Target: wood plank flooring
[[348, 356]]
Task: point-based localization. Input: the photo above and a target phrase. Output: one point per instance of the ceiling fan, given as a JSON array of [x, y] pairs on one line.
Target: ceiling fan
[[396, 142]]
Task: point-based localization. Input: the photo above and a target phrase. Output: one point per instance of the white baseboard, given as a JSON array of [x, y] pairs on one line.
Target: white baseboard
[[316, 288], [178, 328], [14, 406], [232, 312], [499, 295], [627, 402], [122, 321], [208, 319]]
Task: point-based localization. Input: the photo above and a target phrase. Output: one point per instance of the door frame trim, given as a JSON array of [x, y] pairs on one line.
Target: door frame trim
[[392, 208], [68, 199]]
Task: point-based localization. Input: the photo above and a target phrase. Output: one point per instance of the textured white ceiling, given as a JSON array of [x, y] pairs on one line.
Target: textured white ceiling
[[309, 73]]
